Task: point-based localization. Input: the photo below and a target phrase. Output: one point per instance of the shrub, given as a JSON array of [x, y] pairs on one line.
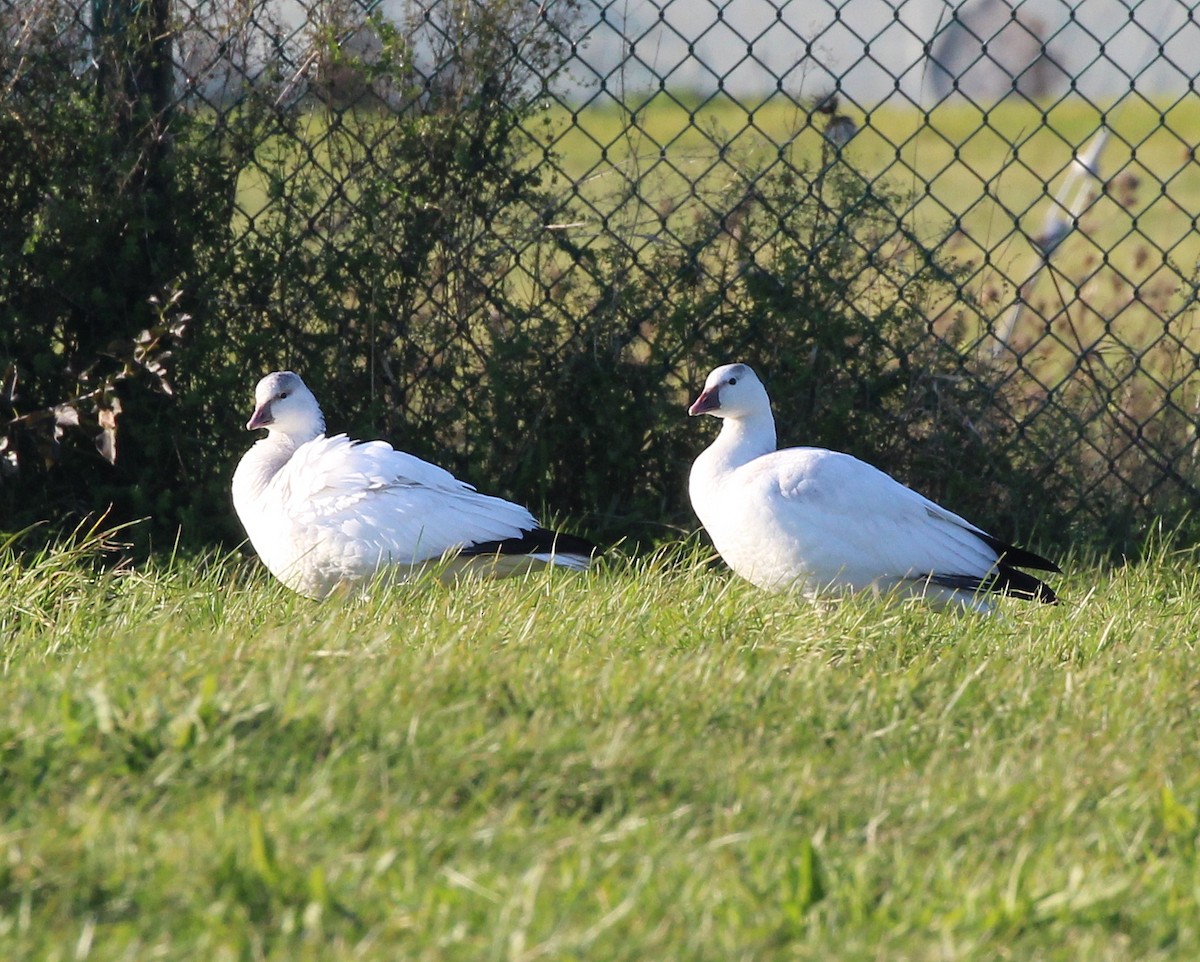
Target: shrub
[[109, 201], [810, 276], [185, 217]]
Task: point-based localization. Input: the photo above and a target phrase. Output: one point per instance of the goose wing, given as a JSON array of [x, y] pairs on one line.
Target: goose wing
[[858, 523], [388, 504]]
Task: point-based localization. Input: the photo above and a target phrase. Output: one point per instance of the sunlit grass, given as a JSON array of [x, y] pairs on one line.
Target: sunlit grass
[[650, 761], [989, 169]]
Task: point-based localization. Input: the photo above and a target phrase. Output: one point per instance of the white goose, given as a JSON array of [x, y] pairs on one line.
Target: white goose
[[825, 522], [322, 512]]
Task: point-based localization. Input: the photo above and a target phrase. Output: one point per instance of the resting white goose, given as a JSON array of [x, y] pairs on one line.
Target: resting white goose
[[824, 522], [327, 511]]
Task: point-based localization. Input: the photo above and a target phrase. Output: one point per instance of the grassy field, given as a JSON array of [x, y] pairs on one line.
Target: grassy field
[[991, 169], [978, 186], [979, 180], [980, 183], [653, 761]]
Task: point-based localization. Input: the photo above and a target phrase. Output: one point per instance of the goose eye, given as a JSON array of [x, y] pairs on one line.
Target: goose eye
[[283, 395], [732, 381]]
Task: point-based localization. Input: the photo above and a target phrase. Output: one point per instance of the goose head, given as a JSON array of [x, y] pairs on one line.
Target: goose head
[[732, 391], [284, 405]]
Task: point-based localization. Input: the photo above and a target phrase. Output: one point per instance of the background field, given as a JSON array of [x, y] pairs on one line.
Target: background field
[[980, 183], [649, 762]]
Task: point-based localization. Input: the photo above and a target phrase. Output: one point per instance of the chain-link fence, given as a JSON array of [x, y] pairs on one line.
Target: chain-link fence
[[426, 197], [1049, 149]]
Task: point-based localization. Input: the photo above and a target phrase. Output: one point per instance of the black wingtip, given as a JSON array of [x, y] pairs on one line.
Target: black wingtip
[[1015, 557], [1003, 579], [536, 541], [1020, 584]]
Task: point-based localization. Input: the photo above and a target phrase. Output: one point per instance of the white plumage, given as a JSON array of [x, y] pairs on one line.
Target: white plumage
[[825, 522], [324, 511]]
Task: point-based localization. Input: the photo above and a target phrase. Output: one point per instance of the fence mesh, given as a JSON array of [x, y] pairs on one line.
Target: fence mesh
[[1042, 153]]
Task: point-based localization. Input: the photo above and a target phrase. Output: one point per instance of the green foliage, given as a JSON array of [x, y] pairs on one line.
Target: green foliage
[[650, 761], [378, 221], [143, 291], [111, 202], [811, 276]]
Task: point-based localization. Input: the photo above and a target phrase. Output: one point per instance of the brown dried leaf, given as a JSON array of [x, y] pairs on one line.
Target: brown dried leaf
[[106, 440], [65, 416]]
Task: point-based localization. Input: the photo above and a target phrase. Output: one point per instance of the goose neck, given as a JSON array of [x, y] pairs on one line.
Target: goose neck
[[743, 439], [262, 462]]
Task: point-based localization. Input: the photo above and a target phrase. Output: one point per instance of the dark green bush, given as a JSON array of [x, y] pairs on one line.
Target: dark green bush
[[810, 276], [161, 251], [108, 198]]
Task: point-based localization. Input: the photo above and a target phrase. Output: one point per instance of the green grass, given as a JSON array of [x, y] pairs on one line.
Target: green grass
[[1107, 333], [992, 169], [653, 761], [980, 183]]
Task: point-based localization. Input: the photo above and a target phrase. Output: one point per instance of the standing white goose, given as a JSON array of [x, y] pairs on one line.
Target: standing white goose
[[324, 511], [825, 522]]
